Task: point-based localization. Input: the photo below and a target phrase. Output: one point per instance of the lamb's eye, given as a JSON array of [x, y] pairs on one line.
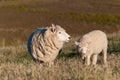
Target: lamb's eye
[[59, 32]]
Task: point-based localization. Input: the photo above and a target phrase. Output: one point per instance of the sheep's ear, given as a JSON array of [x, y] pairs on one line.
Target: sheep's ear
[[53, 29], [76, 43], [53, 25]]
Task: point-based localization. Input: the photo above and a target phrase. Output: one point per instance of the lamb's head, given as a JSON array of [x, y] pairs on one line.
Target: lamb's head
[[60, 33], [82, 47]]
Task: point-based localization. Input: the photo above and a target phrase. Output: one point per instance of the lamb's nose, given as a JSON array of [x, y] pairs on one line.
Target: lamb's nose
[[69, 37]]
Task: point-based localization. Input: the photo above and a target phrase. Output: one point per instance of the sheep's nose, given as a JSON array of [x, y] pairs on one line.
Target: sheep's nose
[[69, 37]]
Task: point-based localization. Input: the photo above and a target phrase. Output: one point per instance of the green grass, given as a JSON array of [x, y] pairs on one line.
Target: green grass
[[114, 45]]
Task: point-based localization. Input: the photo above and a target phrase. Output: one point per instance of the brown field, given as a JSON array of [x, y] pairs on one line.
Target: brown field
[[18, 18]]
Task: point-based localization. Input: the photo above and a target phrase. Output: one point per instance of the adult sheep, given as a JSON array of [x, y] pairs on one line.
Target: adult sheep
[[91, 44], [44, 44]]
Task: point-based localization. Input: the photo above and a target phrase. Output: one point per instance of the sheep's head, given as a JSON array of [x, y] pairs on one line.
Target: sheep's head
[[60, 33]]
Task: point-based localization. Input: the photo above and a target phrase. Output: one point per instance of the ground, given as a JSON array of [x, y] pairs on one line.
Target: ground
[[19, 18]]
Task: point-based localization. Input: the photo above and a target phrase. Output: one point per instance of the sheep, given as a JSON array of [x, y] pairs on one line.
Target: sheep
[[44, 44], [91, 44]]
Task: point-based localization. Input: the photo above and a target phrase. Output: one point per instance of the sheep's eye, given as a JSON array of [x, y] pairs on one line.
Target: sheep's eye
[[59, 32]]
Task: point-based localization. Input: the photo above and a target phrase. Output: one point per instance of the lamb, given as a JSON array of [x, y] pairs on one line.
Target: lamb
[[91, 44], [44, 44]]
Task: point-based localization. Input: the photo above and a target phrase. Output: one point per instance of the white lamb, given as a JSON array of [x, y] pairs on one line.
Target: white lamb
[[91, 44], [44, 44]]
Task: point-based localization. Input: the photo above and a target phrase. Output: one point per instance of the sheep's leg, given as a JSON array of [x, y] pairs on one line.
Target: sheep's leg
[[105, 55], [51, 63], [94, 59]]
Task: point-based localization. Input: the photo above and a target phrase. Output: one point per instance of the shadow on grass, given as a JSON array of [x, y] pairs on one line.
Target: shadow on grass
[[67, 55], [23, 59], [26, 58]]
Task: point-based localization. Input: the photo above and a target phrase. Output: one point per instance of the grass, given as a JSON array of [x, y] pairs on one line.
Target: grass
[[65, 68], [18, 18], [93, 18], [16, 63], [100, 18], [114, 45]]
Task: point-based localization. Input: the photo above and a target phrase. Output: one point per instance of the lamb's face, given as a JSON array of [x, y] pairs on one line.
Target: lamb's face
[[82, 47], [63, 36]]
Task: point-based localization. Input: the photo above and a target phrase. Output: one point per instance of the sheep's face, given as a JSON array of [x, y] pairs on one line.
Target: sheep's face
[[63, 36], [60, 33], [82, 47]]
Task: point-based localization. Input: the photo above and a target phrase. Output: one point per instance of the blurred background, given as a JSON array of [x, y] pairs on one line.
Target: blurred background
[[19, 18]]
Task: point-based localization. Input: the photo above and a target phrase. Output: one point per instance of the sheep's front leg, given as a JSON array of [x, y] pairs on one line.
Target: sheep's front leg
[[51, 63], [94, 60]]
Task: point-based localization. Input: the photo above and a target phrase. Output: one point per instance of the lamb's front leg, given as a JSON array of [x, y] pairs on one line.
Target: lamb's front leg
[[94, 60], [88, 60], [86, 57]]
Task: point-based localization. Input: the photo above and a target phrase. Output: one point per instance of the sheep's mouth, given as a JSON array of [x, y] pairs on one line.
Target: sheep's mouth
[[67, 40]]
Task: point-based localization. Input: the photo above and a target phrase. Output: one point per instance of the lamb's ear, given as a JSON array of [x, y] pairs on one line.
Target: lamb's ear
[[89, 41], [76, 43]]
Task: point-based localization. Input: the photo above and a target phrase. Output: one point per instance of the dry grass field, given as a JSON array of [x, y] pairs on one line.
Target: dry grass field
[[18, 18]]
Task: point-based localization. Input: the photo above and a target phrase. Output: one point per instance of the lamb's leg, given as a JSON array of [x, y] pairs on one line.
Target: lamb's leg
[[88, 60], [94, 60], [105, 55]]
